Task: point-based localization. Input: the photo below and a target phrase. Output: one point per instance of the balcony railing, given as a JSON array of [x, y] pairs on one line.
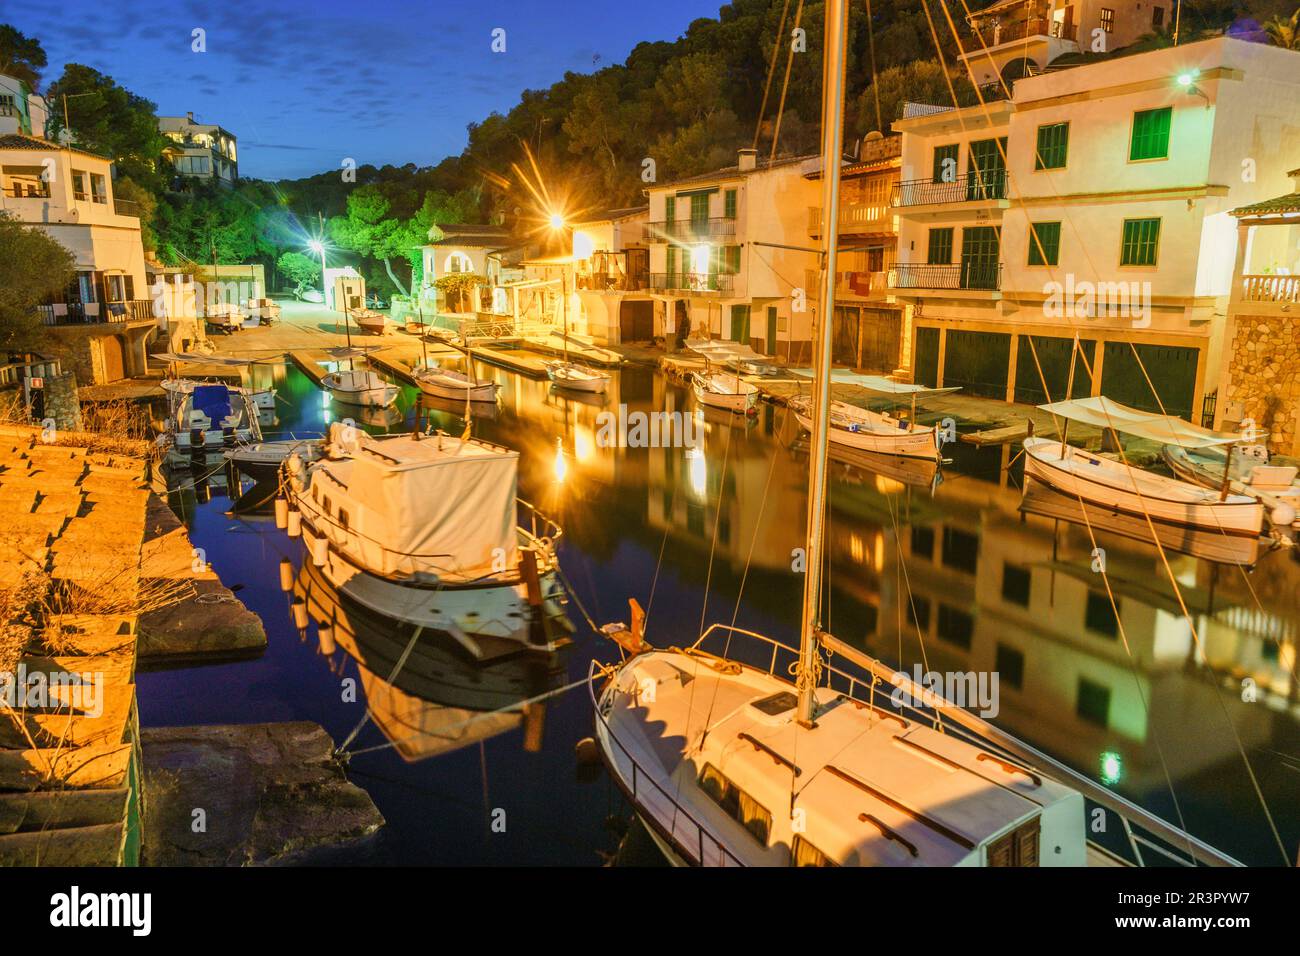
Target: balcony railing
[[97, 313], [861, 217], [610, 281], [723, 283], [973, 275], [851, 282], [690, 230], [996, 33], [972, 187], [126, 207], [27, 191], [1281, 289]]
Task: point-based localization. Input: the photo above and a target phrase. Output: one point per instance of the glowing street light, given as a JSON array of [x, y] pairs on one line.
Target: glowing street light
[[318, 247], [557, 221]]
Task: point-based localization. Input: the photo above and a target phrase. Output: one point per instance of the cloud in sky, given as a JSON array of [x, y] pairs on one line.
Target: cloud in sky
[[386, 81]]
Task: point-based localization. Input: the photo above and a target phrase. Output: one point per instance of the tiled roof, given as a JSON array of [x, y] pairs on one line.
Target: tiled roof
[[728, 172], [609, 215], [1280, 204], [21, 141]]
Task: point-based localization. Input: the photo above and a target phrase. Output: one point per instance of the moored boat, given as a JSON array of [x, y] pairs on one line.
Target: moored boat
[[210, 415], [729, 392], [369, 321], [361, 387], [577, 378], [878, 432], [423, 529], [450, 383]]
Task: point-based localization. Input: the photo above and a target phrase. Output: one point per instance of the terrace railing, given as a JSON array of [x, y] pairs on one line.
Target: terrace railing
[[913, 275], [1270, 288], [690, 230], [972, 187], [723, 283]]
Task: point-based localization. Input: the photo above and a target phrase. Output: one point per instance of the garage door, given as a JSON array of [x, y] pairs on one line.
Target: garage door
[[977, 362], [927, 357], [636, 321], [1171, 370], [1053, 353]]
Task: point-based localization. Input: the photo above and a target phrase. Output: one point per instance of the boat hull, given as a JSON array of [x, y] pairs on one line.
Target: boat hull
[[917, 443], [592, 385], [1112, 488], [442, 388], [742, 403], [369, 396]]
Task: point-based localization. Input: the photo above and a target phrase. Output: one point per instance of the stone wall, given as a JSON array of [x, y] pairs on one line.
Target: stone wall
[[61, 403], [1263, 381]]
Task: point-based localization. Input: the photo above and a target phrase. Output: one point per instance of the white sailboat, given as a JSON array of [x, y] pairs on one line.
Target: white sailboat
[[729, 763], [572, 376], [1123, 488], [424, 529]]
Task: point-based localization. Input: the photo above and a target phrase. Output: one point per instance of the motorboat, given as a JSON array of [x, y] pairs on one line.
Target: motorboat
[[263, 398], [210, 415], [577, 378], [361, 387], [261, 461], [425, 529]]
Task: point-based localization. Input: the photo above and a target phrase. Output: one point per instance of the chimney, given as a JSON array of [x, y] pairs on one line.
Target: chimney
[[189, 118], [748, 159]]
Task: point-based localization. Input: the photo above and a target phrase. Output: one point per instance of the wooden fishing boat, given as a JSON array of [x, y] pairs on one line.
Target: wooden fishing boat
[[369, 321], [451, 383], [261, 461], [577, 378], [879, 432], [225, 317], [728, 392], [360, 387]]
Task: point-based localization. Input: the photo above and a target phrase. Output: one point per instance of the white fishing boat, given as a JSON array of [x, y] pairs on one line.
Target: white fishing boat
[[728, 762], [453, 384], [261, 461], [880, 432], [360, 387], [209, 415], [1124, 488], [369, 321], [721, 390], [263, 396], [424, 529], [577, 378], [225, 317]]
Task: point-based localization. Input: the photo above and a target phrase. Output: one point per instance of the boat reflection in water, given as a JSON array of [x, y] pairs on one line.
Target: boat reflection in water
[[426, 695]]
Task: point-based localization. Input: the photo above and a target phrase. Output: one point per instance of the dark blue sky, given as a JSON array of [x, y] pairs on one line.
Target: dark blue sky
[[304, 85]]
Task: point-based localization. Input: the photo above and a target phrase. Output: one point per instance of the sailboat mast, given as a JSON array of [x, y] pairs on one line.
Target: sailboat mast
[[833, 68]]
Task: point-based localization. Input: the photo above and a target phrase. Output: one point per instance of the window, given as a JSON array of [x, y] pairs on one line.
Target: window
[[1015, 584], [960, 550], [945, 163], [729, 204], [940, 250], [1093, 704], [876, 259], [79, 185], [1108, 19], [672, 260], [1010, 666], [1157, 17], [804, 853], [670, 208], [1099, 615], [739, 805], [918, 612], [98, 188], [1053, 144], [1150, 139], [955, 627], [1141, 242], [1044, 243], [732, 260], [923, 541], [700, 207]]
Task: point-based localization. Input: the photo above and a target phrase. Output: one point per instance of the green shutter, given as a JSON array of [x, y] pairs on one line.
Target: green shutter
[[672, 260], [1053, 145], [940, 250], [1044, 243], [733, 259], [1151, 134], [670, 209], [942, 153], [730, 201], [1141, 243]]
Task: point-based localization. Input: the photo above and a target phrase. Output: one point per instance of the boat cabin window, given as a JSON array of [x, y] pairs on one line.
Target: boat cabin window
[[739, 805], [1017, 848], [804, 853], [778, 703]]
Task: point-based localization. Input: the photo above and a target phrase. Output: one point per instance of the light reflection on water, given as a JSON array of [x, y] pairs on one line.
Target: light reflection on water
[[922, 566]]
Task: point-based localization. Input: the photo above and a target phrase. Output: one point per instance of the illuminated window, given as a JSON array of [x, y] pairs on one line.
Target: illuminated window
[[1108, 19], [1141, 242]]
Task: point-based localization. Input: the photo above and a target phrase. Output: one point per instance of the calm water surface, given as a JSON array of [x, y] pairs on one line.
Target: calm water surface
[[945, 569]]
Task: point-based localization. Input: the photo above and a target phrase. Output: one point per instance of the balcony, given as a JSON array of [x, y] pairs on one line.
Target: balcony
[[866, 285], [690, 230], [97, 313], [994, 32], [857, 218], [974, 275], [973, 187], [1274, 289], [697, 282], [610, 281]]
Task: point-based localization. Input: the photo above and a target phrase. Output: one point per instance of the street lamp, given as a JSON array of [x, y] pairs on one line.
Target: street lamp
[[318, 247]]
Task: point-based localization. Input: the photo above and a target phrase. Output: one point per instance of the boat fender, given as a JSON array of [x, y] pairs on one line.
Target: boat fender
[[587, 752], [299, 614], [319, 551], [295, 464], [1283, 514], [325, 634], [286, 575], [294, 523], [281, 513]]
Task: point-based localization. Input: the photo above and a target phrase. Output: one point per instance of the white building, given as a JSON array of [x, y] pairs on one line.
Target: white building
[[200, 150], [21, 109], [1015, 38], [609, 277], [1095, 201], [717, 262], [68, 193]]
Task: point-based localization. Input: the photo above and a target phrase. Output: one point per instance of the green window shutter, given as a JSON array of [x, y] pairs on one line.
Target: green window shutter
[[1053, 145], [730, 201], [700, 207], [670, 209], [672, 260], [1044, 243], [940, 250], [942, 153], [1141, 243], [1151, 134], [733, 259]]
